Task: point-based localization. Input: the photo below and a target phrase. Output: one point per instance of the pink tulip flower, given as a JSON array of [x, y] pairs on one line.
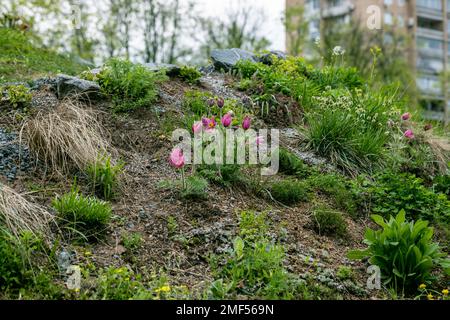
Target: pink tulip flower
[[176, 158], [197, 127], [246, 123], [226, 120], [409, 134]]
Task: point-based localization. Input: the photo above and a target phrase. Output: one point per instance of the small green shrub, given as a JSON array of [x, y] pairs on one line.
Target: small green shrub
[[18, 96], [22, 261], [254, 268], [196, 188], [290, 164], [190, 74], [392, 192], [85, 214], [12, 268], [130, 85], [334, 186], [197, 102], [132, 241], [224, 175], [404, 252], [290, 191], [345, 273], [329, 222], [245, 85], [104, 177], [441, 184], [120, 284]]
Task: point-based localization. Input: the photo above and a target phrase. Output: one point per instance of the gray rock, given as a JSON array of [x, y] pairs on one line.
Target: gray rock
[[207, 69], [171, 69], [267, 58], [41, 83], [226, 59], [66, 85], [64, 260]]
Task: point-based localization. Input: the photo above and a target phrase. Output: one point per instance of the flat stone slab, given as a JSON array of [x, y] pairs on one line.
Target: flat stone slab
[[226, 59], [66, 85]]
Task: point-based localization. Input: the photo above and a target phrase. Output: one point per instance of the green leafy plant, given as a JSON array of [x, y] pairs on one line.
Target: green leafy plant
[[196, 102], [25, 269], [104, 177], [403, 250], [335, 187], [290, 164], [441, 184], [132, 241], [392, 192], [224, 175], [196, 188], [18, 96], [130, 85], [190, 74], [254, 267], [87, 215], [329, 222], [290, 191]]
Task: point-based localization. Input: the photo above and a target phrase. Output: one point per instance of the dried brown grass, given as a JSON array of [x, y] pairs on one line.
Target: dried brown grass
[[19, 215], [66, 138]]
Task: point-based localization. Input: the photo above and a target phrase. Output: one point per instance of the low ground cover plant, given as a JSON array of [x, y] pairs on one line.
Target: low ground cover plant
[[87, 215], [129, 85]]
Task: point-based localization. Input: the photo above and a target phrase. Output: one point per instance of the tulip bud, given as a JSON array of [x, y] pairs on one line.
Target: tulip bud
[[246, 123], [220, 103], [406, 116]]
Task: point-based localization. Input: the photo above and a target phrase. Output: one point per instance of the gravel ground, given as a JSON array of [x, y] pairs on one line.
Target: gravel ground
[[14, 158]]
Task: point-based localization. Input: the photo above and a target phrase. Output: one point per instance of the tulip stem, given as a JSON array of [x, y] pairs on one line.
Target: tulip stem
[[182, 178]]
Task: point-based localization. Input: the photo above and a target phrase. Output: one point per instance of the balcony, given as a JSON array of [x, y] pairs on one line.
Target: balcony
[[430, 47], [430, 33], [429, 86], [431, 9], [429, 66], [433, 115], [344, 7]]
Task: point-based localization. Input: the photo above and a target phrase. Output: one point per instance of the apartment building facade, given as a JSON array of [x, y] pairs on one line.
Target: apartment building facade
[[427, 24]]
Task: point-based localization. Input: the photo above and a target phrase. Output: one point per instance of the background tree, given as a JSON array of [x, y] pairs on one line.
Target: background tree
[[240, 28], [296, 26]]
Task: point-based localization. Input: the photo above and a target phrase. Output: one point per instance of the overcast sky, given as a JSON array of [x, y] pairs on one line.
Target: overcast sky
[[273, 9]]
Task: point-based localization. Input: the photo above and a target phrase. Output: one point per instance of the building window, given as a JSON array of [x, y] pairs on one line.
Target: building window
[[429, 84], [335, 3], [430, 4], [427, 43], [313, 5], [388, 2], [388, 18], [401, 3], [400, 21]]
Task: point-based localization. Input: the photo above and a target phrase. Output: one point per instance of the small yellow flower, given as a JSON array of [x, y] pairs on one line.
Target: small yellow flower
[[445, 292], [88, 253], [422, 286], [430, 296], [163, 289]]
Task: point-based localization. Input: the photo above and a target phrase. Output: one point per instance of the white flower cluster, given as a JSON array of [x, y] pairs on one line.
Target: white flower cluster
[[338, 51]]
